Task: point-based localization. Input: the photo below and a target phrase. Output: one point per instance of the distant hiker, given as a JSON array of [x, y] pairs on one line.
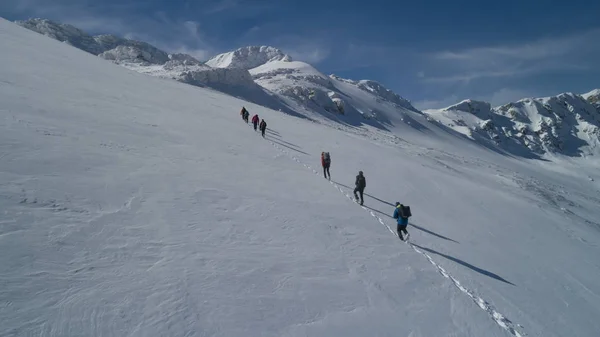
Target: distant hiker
[[263, 127], [326, 162], [402, 213], [360, 184], [255, 121], [244, 114]]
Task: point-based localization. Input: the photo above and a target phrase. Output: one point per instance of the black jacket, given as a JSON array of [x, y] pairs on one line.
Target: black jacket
[[361, 182]]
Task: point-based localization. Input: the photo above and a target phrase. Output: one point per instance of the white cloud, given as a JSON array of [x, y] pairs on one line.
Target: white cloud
[[313, 49], [199, 54], [506, 95], [160, 29], [193, 29], [221, 6], [436, 104], [308, 54], [565, 53]]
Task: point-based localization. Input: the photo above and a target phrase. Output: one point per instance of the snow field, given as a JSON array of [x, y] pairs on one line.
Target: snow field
[[133, 205], [125, 213]]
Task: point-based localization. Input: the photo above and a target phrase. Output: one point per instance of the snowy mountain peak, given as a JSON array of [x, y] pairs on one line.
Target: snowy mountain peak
[[379, 90], [64, 33], [595, 92], [593, 97], [471, 106], [248, 57], [565, 124], [109, 47]]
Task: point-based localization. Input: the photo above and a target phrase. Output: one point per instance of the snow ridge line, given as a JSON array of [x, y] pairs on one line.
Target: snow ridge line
[[496, 316]]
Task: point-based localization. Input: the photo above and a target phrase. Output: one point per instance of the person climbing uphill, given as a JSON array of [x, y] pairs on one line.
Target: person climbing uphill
[[402, 213], [263, 127], [326, 162], [245, 114], [255, 121], [360, 184]]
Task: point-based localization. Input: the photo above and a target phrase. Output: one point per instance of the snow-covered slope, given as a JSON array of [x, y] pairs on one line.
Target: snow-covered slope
[[109, 47], [137, 206], [248, 57], [346, 101], [147, 59], [293, 87], [565, 124]]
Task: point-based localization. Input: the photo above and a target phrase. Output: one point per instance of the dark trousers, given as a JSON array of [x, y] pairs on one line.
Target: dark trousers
[[255, 124], [402, 228], [326, 171], [263, 131], [360, 190]]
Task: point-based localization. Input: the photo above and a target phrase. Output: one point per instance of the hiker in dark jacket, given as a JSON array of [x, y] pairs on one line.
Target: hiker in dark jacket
[[399, 213], [360, 184], [263, 127], [244, 114], [255, 121], [326, 162]]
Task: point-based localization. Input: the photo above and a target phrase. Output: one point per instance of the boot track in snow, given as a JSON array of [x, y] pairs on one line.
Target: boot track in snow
[[500, 319]]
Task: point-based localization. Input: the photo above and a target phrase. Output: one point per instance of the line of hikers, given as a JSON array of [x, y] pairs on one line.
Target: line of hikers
[[401, 212], [262, 126]]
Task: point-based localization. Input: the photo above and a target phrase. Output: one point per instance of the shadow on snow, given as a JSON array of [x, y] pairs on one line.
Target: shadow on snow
[[466, 264]]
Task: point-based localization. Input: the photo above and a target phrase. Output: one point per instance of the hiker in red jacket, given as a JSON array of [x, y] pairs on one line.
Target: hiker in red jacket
[[255, 121]]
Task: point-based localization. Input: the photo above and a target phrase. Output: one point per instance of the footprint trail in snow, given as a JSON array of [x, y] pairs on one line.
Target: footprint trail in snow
[[484, 305]]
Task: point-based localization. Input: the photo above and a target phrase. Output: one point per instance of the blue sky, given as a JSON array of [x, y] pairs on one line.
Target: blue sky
[[433, 53]]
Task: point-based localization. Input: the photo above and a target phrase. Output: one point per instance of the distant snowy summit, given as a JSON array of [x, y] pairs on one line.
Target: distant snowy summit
[[248, 57], [471, 106], [251, 73], [593, 97], [567, 124], [564, 124], [64, 33], [109, 47]]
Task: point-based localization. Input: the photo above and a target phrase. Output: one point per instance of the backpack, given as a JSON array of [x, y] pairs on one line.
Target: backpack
[[405, 211], [326, 158]]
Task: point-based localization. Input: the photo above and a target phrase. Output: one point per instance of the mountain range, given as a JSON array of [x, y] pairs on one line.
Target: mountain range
[[566, 124]]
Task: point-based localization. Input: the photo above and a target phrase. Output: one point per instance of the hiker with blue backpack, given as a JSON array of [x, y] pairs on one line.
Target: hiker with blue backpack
[[402, 213]]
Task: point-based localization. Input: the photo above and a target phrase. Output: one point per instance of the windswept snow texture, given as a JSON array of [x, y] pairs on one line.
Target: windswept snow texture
[[138, 206]]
